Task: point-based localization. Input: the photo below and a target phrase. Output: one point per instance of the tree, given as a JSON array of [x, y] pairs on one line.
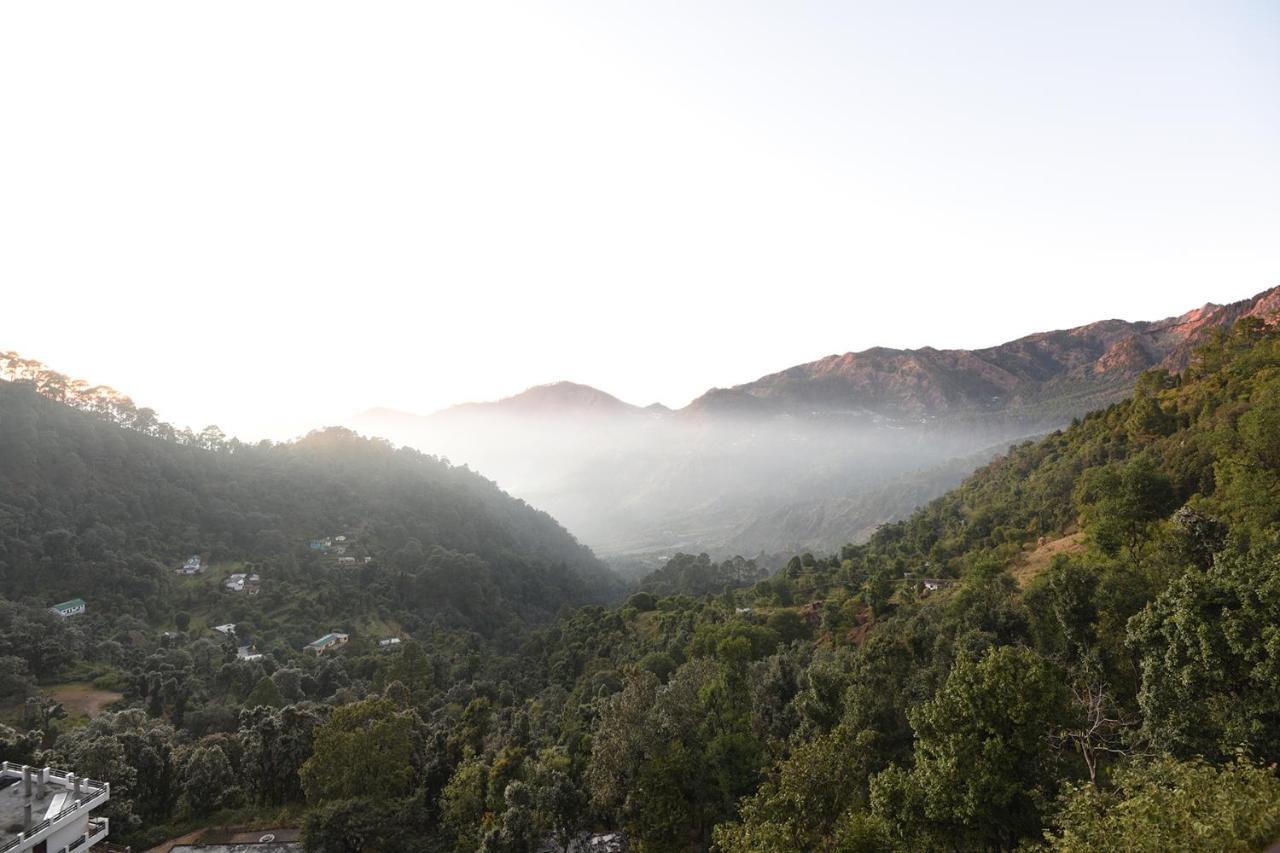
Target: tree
[[788, 624], [559, 802], [800, 806], [16, 683], [515, 831], [982, 768], [1097, 728], [1209, 656], [462, 803], [364, 749], [276, 742], [1165, 804], [1119, 503], [265, 693], [208, 781]]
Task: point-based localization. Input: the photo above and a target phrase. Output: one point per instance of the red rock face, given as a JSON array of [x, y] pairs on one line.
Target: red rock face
[[1091, 365]]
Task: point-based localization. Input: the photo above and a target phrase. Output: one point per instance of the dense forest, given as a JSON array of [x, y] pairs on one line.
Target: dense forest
[[1077, 649]]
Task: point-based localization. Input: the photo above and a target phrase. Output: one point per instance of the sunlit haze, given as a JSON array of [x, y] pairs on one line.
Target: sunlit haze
[[274, 215]]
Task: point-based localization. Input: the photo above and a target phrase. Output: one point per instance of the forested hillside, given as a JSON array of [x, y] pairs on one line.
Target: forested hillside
[[91, 509], [1075, 650]]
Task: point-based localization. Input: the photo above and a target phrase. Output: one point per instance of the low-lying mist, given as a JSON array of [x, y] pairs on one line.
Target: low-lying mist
[[638, 486]]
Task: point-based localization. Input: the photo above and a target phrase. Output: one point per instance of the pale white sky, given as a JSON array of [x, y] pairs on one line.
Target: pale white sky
[[270, 215]]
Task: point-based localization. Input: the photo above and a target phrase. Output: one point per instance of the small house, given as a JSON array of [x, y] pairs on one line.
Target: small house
[[247, 653], [67, 609], [320, 544], [226, 630], [346, 561], [935, 584], [193, 566], [235, 581], [389, 643], [326, 643]]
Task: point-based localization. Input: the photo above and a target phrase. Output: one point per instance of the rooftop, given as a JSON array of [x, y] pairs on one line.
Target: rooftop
[[69, 605], [327, 639], [53, 800]]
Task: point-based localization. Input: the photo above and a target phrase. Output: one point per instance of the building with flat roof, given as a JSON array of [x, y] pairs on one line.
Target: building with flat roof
[[49, 811]]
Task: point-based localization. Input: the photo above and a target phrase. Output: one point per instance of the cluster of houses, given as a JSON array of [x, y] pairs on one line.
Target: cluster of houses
[[336, 547]]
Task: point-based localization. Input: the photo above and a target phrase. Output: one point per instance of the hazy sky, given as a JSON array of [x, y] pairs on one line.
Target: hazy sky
[[271, 214]]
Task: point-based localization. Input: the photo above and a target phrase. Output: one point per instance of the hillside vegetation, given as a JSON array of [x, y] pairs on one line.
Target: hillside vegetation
[[94, 510], [905, 694]]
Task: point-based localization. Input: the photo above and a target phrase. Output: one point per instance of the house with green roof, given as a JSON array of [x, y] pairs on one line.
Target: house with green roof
[[327, 642], [67, 609]]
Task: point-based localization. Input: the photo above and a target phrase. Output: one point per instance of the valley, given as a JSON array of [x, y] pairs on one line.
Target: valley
[[807, 458]]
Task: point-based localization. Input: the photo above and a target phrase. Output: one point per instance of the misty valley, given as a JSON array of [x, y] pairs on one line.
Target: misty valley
[[1018, 598]]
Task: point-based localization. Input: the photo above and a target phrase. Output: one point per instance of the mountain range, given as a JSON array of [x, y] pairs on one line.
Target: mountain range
[[807, 457]]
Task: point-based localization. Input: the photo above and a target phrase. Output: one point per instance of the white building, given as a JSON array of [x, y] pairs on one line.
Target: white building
[[228, 629], [247, 653], [67, 609], [48, 811]]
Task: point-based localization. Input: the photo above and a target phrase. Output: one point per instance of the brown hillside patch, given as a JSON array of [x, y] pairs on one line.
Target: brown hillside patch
[[83, 699], [1038, 559]]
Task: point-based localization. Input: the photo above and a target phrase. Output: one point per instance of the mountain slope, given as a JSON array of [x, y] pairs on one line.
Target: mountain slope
[[805, 458], [1025, 376], [88, 507]]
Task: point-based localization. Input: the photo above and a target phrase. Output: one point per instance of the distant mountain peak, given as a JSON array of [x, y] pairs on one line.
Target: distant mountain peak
[[551, 399]]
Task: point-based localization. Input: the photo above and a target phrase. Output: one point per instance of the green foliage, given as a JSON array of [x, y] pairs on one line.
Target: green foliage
[[363, 749], [839, 705], [1209, 655], [983, 768], [208, 781], [685, 574], [1119, 503], [266, 692], [1166, 804], [801, 807], [642, 602]]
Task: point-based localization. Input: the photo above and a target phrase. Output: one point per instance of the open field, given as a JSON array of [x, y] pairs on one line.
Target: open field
[[81, 698], [1038, 559]]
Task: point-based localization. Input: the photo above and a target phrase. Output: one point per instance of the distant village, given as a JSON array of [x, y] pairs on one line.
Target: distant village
[[335, 549]]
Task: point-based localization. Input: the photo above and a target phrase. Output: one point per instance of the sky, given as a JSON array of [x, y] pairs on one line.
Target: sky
[[272, 215]]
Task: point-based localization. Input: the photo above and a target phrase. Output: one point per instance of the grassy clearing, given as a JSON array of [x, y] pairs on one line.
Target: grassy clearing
[[1038, 559], [82, 699]]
